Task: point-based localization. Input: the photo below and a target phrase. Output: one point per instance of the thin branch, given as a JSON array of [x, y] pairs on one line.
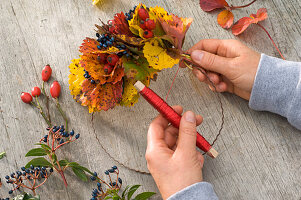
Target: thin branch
[[236, 7]]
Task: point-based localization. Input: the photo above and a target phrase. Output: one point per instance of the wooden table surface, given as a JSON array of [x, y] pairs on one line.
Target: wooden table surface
[[260, 153]]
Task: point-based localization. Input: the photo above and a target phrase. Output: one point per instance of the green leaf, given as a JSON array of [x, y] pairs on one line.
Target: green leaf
[[80, 174], [76, 165], [26, 196], [44, 146], [116, 197], [144, 195], [36, 152], [132, 190], [108, 197], [38, 162], [63, 163], [124, 191], [54, 158], [2, 154], [138, 69]]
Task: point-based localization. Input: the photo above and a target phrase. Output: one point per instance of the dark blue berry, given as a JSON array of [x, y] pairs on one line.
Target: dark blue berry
[[92, 81], [112, 39], [45, 139], [31, 167], [97, 35], [114, 167], [10, 192], [98, 184], [7, 177], [120, 180], [51, 170], [111, 170], [114, 183], [104, 45], [24, 173], [27, 171], [95, 191], [95, 174], [77, 136], [107, 172], [93, 178], [28, 176], [62, 141], [98, 47], [127, 55], [46, 136], [72, 132], [43, 168], [125, 52], [93, 198], [66, 134]]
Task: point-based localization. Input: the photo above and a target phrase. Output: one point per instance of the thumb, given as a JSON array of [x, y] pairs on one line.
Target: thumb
[[187, 133], [211, 61]]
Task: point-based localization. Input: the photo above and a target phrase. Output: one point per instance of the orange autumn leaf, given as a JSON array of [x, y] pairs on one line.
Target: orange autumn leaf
[[209, 5], [242, 24], [89, 45], [225, 19], [101, 97], [96, 69]]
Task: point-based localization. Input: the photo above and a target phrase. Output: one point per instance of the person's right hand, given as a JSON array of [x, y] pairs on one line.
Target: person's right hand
[[229, 64]]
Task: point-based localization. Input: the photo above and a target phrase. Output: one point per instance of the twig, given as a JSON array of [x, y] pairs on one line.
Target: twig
[[271, 40], [235, 7], [62, 113]]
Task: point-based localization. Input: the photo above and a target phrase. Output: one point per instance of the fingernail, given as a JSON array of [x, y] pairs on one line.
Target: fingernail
[[190, 117], [197, 55]]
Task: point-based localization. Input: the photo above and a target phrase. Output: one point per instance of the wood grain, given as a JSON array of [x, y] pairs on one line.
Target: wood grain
[[260, 153]]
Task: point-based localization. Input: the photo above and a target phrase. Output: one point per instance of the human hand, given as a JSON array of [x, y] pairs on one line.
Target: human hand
[[171, 153], [229, 64]]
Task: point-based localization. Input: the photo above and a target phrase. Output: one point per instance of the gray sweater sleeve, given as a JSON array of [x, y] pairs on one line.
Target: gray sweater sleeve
[[197, 191], [277, 88]]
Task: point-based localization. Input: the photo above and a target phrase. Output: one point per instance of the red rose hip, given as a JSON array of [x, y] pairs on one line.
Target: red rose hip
[[150, 24], [46, 73], [143, 14], [108, 69], [112, 59], [142, 25], [55, 89], [148, 34], [102, 58], [36, 91], [26, 97]]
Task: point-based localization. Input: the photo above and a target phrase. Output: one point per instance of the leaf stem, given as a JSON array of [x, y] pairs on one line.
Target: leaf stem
[[41, 111], [236, 7], [60, 171], [271, 40], [62, 113], [47, 100]]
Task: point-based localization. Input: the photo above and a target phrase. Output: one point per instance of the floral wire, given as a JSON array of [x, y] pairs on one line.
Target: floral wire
[[188, 59]]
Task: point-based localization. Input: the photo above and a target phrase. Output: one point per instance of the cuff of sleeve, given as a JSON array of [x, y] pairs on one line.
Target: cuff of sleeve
[[200, 191], [275, 85]]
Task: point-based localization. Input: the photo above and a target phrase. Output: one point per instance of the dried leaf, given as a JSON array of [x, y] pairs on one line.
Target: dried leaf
[[131, 40], [242, 24], [225, 19], [158, 57], [89, 45], [101, 97], [209, 5], [76, 77]]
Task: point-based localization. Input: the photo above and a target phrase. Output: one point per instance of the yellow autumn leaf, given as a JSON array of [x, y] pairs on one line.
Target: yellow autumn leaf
[[94, 2], [130, 95], [76, 77], [160, 13], [158, 57]]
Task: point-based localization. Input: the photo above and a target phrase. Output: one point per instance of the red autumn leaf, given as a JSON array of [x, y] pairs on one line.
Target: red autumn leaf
[[242, 24], [89, 45], [176, 28], [120, 25], [209, 5], [101, 97], [225, 19]]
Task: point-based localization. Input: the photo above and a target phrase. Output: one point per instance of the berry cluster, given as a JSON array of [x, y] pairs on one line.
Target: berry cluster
[[34, 176], [109, 61], [146, 24], [58, 137], [88, 76], [104, 40], [129, 15], [99, 192]]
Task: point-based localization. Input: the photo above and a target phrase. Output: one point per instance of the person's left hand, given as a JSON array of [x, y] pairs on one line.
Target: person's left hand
[[171, 153]]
